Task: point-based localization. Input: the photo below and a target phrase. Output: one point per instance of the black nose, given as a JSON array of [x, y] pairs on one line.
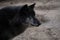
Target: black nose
[[38, 24]]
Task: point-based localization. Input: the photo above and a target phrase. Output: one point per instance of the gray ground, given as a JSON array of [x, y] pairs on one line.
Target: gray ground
[[48, 12]]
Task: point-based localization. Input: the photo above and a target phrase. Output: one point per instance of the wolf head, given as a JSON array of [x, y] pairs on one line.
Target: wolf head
[[27, 15]]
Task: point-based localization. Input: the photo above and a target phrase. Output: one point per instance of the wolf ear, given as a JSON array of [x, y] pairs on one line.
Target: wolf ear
[[24, 8], [32, 6]]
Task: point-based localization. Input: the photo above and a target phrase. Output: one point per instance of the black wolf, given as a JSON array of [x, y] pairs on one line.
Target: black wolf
[[13, 20]]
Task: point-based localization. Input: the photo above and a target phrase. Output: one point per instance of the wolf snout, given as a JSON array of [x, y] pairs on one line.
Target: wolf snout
[[36, 24]]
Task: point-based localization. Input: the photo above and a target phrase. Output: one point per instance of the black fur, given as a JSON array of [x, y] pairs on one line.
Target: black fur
[[13, 20]]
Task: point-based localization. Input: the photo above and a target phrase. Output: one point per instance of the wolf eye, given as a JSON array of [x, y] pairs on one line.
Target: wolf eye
[[33, 13]]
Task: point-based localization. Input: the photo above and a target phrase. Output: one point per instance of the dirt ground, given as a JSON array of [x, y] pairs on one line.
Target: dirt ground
[[48, 12]]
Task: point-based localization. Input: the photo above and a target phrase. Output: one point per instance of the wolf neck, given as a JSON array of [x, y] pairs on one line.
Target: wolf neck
[[16, 30]]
